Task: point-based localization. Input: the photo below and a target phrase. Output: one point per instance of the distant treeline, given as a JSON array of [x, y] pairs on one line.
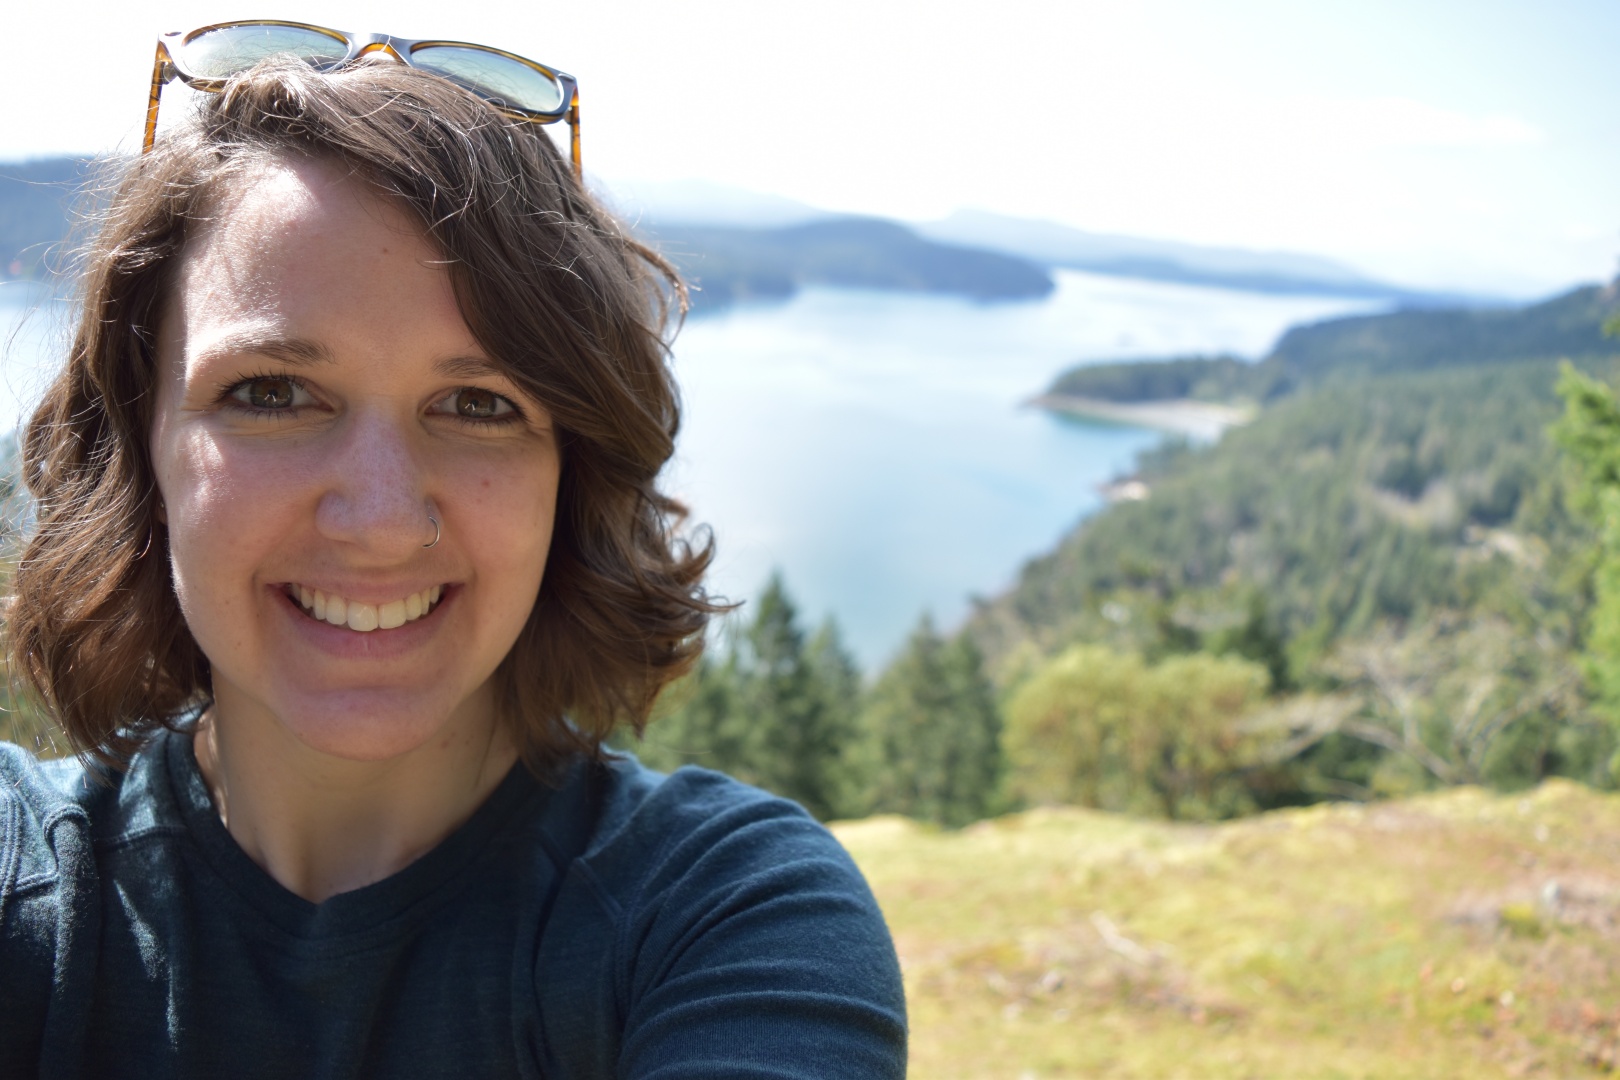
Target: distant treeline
[[1207, 378], [1569, 325]]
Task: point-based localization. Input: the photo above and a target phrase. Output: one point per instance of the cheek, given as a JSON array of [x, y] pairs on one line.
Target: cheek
[[509, 512], [225, 506]]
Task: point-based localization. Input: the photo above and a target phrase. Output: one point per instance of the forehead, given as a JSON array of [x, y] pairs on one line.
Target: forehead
[[293, 238]]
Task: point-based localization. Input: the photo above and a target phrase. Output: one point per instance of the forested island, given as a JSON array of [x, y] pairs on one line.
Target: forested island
[[726, 265]]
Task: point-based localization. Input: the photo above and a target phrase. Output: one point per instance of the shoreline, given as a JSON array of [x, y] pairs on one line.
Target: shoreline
[[1177, 416]]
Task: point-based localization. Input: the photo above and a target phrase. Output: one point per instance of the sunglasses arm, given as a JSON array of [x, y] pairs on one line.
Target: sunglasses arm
[[162, 72], [573, 137]]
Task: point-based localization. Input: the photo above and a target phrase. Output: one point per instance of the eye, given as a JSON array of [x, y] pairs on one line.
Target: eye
[[475, 403], [270, 393]]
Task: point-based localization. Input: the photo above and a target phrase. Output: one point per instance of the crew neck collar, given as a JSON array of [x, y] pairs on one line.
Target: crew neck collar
[[373, 910]]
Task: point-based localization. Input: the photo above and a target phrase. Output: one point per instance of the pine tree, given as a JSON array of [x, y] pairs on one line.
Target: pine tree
[[774, 712], [699, 722], [935, 732], [800, 738], [1589, 434], [838, 681]]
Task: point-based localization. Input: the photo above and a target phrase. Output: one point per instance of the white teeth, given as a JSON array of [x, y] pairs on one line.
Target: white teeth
[[391, 614], [332, 608], [362, 617]]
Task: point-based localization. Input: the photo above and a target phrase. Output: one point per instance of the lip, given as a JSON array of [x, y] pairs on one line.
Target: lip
[[342, 643]]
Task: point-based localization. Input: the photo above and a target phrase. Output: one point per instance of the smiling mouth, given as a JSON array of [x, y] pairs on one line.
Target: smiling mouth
[[334, 609]]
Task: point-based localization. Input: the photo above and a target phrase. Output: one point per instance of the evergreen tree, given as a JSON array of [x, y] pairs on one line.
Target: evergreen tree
[[773, 712], [700, 722], [798, 739], [935, 732], [1589, 433], [838, 679]]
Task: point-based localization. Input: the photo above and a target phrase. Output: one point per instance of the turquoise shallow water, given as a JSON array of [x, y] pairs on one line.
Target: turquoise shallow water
[[873, 445]]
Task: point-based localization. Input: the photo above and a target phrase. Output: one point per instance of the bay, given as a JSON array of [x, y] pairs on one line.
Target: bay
[[871, 446], [875, 449]]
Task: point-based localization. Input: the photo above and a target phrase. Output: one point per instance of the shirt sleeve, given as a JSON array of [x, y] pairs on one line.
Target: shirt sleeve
[[754, 948]]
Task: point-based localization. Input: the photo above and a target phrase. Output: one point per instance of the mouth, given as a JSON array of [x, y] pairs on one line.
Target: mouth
[[364, 618]]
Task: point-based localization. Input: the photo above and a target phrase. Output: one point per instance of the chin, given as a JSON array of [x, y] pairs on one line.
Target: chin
[[367, 726]]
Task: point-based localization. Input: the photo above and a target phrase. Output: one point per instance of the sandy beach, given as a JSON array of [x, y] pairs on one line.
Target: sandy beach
[[1180, 416]]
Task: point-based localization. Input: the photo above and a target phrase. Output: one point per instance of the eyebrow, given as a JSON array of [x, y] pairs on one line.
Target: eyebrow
[[294, 352], [469, 367], [303, 353]]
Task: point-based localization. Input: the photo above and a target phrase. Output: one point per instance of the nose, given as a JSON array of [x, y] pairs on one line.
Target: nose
[[375, 487]]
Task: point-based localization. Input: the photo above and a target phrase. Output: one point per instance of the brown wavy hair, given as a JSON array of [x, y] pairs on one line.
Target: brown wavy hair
[[552, 286]]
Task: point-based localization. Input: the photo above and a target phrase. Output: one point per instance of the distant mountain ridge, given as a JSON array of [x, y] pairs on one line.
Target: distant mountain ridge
[[770, 258], [728, 264], [1047, 243], [1569, 325], [1055, 245], [741, 245]]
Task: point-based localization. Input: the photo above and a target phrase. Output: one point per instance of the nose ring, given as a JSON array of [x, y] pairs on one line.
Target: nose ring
[[435, 539]]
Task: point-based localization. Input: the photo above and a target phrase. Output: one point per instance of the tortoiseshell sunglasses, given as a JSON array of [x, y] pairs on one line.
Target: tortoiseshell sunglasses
[[522, 89]]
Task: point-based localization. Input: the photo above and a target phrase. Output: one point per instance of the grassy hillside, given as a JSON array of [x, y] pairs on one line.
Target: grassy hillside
[[1460, 934]]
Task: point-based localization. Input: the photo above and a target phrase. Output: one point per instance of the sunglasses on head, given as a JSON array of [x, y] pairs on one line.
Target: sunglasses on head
[[522, 89]]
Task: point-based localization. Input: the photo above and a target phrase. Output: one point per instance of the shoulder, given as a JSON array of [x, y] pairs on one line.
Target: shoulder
[[642, 809], [50, 802], [37, 799], [54, 815], [47, 881], [740, 927], [697, 829]]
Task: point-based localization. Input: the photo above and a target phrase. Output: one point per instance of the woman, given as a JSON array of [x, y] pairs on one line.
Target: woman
[[348, 559]]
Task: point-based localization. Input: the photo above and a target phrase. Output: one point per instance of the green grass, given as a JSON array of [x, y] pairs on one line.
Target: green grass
[[1460, 934]]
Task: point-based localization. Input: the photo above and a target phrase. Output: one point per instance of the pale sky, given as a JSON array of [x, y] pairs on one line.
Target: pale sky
[[1471, 145]]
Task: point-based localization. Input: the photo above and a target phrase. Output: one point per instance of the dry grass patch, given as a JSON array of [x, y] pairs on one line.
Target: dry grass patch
[[1459, 934]]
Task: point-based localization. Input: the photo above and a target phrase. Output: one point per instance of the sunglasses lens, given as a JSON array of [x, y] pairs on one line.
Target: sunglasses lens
[[502, 79], [226, 50]]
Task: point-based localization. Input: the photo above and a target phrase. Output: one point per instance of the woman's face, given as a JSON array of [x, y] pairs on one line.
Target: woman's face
[[319, 397]]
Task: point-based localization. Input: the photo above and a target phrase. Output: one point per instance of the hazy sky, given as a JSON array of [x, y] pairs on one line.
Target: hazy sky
[[1438, 142]]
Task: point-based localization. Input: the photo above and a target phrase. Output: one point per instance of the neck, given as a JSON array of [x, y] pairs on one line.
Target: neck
[[322, 825]]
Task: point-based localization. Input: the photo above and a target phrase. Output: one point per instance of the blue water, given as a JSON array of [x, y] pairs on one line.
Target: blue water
[[872, 445]]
